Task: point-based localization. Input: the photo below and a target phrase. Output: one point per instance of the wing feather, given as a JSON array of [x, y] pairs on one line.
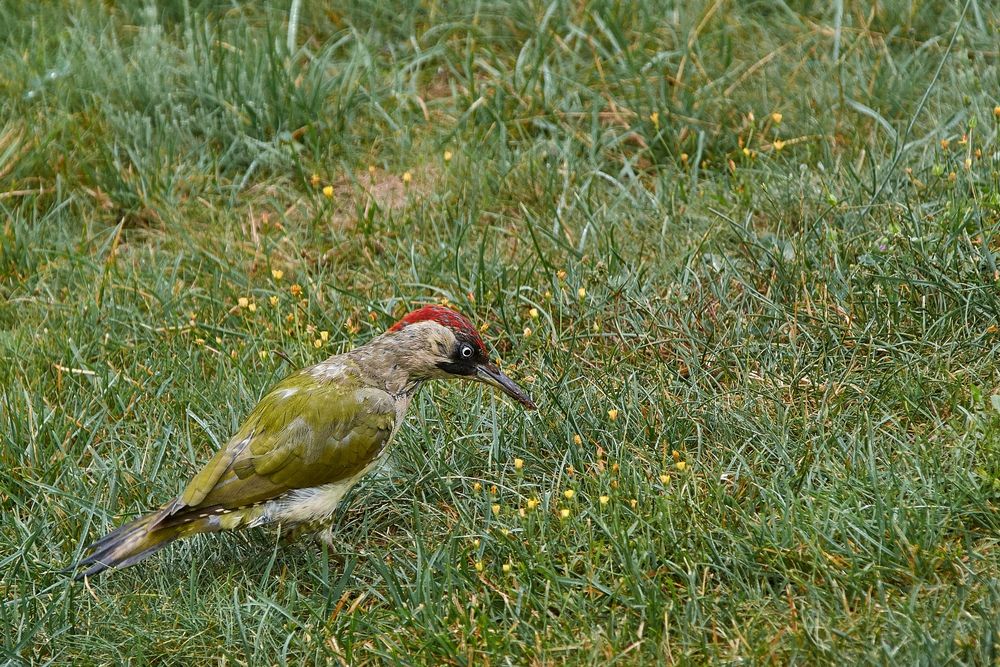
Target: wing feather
[[303, 433]]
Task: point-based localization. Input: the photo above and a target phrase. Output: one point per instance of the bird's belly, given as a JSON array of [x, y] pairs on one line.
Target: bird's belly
[[307, 505], [313, 505]]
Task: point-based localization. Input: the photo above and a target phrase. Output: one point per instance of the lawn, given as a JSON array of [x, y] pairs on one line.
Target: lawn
[[743, 255]]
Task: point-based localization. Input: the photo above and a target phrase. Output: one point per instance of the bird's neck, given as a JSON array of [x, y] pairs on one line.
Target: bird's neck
[[392, 362]]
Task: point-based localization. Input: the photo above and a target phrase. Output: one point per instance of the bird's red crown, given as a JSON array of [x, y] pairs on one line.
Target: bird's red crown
[[446, 317]]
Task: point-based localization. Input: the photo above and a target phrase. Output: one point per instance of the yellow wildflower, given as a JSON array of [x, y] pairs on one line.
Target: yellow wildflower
[[605, 499], [328, 191], [505, 567], [447, 156], [568, 494], [273, 300], [476, 486], [252, 307], [527, 332], [496, 509], [262, 354], [681, 465], [654, 118], [564, 513], [479, 566], [314, 180], [776, 117], [577, 440], [778, 144], [324, 336], [317, 343], [243, 302], [532, 503], [518, 464], [581, 292], [664, 479], [613, 414], [277, 274], [533, 313], [407, 177]]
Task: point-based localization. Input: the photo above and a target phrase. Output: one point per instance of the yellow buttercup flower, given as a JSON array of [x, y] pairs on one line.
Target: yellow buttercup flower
[[407, 177], [568, 494], [681, 465], [605, 499], [328, 191], [776, 117], [277, 274], [613, 414], [518, 464], [533, 313], [581, 292], [577, 440], [447, 156], [564, 513], [243, 302]]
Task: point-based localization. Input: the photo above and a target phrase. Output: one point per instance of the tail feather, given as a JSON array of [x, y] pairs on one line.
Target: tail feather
[[134, 541]]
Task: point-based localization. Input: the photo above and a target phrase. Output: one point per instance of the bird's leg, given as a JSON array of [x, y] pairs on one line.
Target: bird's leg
[[325, 535]]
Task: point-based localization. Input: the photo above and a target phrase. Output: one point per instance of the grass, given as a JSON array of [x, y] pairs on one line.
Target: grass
[[764, 233]]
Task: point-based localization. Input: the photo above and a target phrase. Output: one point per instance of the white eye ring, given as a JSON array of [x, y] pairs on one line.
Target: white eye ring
[[466, 351]]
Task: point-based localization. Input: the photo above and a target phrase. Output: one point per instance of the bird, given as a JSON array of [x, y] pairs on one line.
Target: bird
[[311, 438]]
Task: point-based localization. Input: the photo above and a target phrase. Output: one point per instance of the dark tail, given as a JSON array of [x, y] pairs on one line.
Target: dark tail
[[129, 544]]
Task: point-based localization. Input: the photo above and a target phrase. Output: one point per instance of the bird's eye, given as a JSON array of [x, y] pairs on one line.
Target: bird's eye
[[466, 351]]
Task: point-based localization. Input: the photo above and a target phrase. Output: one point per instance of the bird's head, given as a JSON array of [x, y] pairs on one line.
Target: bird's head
[[443, 344]]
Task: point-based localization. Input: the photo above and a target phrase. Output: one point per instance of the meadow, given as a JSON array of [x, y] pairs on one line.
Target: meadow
[[742, 254]]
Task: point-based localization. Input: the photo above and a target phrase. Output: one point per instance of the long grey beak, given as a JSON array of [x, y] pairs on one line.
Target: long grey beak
[[490, 374]]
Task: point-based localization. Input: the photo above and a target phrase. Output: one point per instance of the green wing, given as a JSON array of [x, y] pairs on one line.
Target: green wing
[[305, 432]]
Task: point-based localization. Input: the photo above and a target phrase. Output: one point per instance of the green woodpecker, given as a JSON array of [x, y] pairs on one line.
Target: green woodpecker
[[311, 438]]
